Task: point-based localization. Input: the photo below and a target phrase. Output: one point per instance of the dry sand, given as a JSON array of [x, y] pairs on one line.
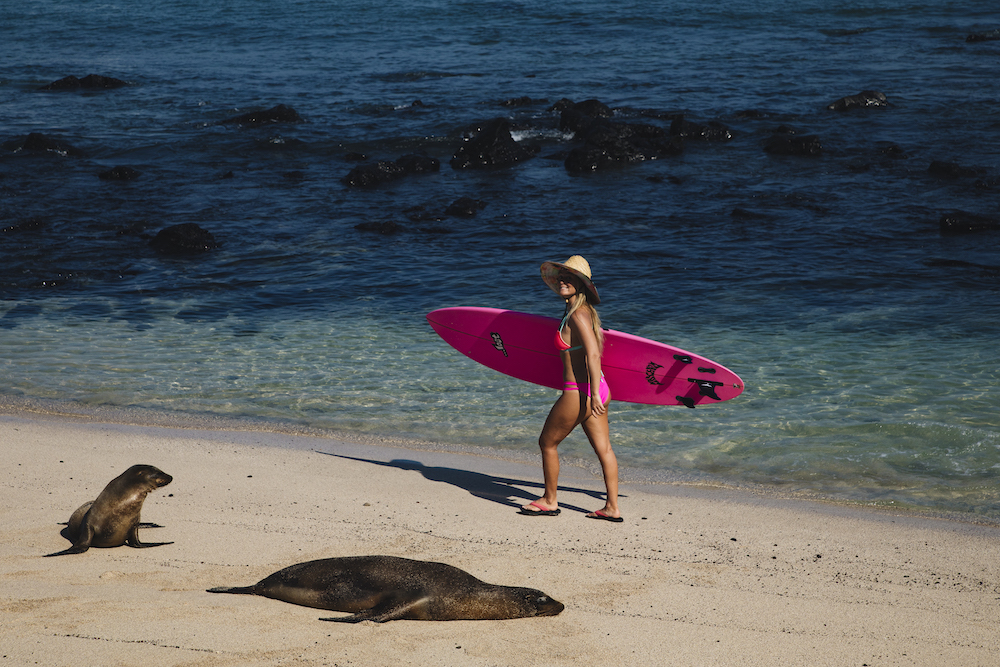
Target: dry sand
[[693, 577]]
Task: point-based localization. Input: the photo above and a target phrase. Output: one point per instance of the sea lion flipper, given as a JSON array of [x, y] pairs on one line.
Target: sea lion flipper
[[133, 539], [236, 590], [391, 609], [75, 549], [353, 618], [146, 545]]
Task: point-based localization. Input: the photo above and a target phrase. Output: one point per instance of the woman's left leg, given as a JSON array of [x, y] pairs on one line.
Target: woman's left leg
[[599, 433]]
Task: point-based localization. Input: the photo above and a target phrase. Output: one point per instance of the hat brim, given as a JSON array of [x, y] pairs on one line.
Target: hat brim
[[550, 274]]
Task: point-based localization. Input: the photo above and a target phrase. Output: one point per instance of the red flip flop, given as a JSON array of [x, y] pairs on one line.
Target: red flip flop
[[540, 512], [598, 514]]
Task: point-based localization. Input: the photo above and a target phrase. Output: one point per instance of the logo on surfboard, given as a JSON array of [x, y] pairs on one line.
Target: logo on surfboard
[[651, 369], [498, 342]]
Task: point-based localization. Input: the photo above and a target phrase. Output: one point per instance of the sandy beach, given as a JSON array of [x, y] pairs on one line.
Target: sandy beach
[[692, 577]]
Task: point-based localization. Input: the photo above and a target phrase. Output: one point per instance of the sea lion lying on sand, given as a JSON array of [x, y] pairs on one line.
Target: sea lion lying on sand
[[386, 588], [113, 518]]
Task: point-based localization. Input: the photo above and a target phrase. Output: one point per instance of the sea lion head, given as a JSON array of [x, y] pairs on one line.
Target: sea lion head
[[146, 476], [543, 604], [514, 602]]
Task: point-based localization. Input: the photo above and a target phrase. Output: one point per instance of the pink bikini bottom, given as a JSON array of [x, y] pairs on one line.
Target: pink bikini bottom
[[604, 390]]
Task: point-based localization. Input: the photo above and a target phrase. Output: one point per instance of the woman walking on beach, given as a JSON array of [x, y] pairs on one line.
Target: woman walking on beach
[[585, 395]]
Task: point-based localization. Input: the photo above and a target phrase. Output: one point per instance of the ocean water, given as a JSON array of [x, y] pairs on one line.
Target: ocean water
[[866, 337]]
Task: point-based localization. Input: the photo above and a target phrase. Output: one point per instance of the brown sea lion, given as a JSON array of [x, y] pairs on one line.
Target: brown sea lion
[[113, 518], [386, 588]]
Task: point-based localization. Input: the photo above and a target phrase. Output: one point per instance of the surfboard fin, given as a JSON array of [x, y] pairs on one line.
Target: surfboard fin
[[707, 388], [686, 401], [683, 358]]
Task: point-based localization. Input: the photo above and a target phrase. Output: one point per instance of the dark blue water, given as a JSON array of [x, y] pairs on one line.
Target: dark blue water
[[865, 335]]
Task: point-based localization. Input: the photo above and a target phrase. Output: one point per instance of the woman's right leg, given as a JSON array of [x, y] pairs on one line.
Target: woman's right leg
[[562, 419]]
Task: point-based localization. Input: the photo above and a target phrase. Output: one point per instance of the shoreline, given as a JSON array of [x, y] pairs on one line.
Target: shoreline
[[652, 483], [706, 577]]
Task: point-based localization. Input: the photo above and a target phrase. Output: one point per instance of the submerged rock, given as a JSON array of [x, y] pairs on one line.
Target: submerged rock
[[41, 143], [276, 114], [384, 171], [950, 170], [120, 173], [522, 102], [386, 227], [465, 207], [786, 141], [31, 224], [184, 238], [960, 222], [866, 98], [374, 173], [89, 82], [893, 151], [990, 36]]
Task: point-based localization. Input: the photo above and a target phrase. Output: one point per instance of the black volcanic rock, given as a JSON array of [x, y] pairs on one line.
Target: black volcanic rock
[[89, 82], [713, 131], [416, 163], [577, 117], [185, 238], [373, 173], [491, 146], [609, 144]]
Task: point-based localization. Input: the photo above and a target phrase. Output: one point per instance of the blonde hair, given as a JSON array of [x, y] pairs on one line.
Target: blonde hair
[[581, 301]]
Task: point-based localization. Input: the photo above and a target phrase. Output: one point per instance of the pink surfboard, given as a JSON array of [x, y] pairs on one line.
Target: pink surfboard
[[638, 370]]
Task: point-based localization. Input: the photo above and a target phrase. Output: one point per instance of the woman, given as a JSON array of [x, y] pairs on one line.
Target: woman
[[585, 395]]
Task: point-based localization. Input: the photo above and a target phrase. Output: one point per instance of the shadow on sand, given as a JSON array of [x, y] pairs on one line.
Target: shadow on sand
[[502, 490]]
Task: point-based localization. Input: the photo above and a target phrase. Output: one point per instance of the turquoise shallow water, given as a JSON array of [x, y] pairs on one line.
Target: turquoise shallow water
[[838, 432], [866, 337]]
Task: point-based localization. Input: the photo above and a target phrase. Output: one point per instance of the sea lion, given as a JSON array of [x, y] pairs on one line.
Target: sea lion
[[387, 588], [113, 518]]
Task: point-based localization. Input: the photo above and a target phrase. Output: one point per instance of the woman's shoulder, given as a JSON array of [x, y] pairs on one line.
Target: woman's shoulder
[[581, 317]]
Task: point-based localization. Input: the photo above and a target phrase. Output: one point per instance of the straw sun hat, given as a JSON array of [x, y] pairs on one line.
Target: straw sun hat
[[576, 265]]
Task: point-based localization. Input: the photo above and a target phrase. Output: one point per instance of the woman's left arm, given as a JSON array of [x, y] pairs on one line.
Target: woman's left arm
[[584, 328]]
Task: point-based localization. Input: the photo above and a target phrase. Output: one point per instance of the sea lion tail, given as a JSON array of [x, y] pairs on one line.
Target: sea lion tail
[[236, 590]]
